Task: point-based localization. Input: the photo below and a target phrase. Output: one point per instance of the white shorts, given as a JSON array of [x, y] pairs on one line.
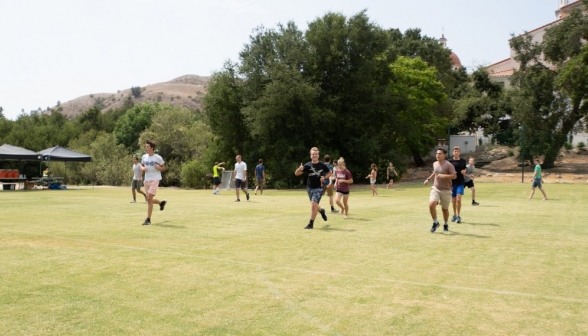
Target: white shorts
[[372, 181], [441, 196], [151, 186]]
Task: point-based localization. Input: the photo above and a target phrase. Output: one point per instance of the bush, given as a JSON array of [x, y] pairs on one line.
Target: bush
[[194, 175], [581, 144], [567, 145], [136, 91], [510, 152]]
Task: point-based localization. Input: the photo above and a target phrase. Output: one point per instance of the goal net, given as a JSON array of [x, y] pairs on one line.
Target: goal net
[[227, 179]]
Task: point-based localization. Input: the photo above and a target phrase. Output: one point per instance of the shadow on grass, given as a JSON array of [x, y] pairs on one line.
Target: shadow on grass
[[329, 228], [359, 219], [163, 224], [476, 224], [454, 233]]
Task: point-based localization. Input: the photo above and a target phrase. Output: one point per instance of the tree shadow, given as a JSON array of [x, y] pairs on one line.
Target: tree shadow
[[163, 224], [329, 228]]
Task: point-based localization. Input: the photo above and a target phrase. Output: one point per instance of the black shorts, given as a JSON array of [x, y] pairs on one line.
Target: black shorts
[[217, 181], [240, 184], [470, 184]]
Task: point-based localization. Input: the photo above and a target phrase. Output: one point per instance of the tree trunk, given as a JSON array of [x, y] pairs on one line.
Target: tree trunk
[[418, 160]]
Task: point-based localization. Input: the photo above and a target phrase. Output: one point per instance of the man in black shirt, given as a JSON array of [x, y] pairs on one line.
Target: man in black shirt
[[317, 172], [458, 184]]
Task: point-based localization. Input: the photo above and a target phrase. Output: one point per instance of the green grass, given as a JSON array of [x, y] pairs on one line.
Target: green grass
[[80, 262]]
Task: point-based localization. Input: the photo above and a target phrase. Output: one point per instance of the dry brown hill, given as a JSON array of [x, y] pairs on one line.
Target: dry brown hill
[[186, 91]]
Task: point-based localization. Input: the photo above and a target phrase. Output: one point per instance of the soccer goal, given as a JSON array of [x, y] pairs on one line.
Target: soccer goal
[[227, 179]]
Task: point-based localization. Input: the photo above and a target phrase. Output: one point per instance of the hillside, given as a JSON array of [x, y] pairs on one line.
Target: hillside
[[186, 91]]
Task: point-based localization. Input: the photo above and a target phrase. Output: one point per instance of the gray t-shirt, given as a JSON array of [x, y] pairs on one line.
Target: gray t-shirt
[[469, 171]]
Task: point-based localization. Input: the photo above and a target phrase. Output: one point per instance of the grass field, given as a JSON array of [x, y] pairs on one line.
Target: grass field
[[80, 262]]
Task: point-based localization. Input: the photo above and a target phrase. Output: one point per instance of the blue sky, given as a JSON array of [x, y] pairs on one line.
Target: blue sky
[[59, 50]]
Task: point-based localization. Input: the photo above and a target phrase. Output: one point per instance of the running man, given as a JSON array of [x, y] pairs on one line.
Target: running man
[[240, 178], [457, 184], [317, 172], [537, 181], [259, 176], [153, 165], [443, 172], [468, 178], [137, 179], [217, 171]]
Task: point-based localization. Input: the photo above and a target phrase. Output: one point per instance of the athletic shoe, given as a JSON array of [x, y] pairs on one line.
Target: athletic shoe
[[475, 203], [247, 196], [458, 219], [309, 227], [237, 200], [162, 205], [147, 222], [323, 214], [334, 211], [133, 201], [434, 228], [445, 228], [454, 218]]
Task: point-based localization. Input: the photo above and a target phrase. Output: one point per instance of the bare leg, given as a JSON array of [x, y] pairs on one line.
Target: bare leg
[[314, 209], [339, 204], [454, 205], [433, 209], [237, 192], [445, 215], [544, 194], [532, 192], [345, 200], [458, 205], [473, 193]]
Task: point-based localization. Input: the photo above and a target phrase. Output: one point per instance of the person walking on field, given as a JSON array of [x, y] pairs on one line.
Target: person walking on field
[[259, 176], [443, 173], [469, 178], [458, 184], [390, 174], [328, 184], [153, 165], [137, 179], [343, 180], [317, 173], [240, 178], [537, 181], [373, 175], [217, 171]]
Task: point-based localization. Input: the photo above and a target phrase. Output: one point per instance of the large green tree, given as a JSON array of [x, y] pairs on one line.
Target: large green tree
[[552, 85]]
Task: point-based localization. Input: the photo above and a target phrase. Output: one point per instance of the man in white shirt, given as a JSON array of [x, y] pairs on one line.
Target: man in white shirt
[[153, 165], [240, 178], [137, 179]]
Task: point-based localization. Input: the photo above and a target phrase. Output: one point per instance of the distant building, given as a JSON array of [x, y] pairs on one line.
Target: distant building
[[455, 62], [501, 71]]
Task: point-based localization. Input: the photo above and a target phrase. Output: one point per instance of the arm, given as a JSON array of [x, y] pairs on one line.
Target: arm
[[299, 171], [160, 167], [430, 177], [263, 174]]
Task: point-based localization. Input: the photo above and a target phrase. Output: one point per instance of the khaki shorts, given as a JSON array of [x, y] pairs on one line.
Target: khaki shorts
[[329, 189], [441, 196], [151, 187]]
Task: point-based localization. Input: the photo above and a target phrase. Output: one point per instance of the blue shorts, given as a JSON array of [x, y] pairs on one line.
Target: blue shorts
[[315, 194], [458, 189], [537, 183]]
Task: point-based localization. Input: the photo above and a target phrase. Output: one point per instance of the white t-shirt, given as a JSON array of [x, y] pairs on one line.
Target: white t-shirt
[[240, 169], [137, 171], [150, 172]]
